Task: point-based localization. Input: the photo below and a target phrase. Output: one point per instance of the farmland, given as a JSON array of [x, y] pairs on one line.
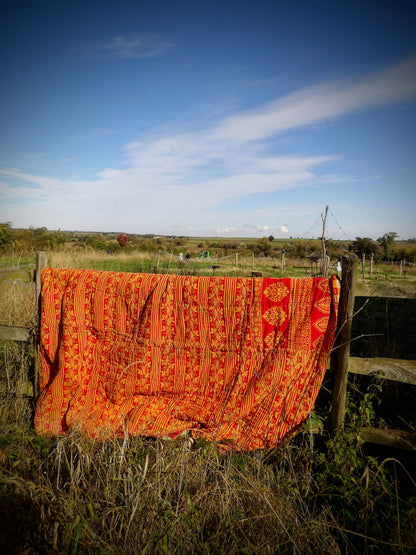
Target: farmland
[[315, 493]]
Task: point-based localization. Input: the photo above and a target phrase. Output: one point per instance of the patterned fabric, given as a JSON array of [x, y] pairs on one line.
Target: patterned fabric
[[234, 360]]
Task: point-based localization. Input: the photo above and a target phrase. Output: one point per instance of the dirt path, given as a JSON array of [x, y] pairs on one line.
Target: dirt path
[[392, 288]]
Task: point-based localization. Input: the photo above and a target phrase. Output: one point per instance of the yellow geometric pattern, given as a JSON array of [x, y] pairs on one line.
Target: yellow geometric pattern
[[276, 292], [275, 316]]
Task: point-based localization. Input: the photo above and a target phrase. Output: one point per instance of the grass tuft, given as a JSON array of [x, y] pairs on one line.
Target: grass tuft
[[73, 495]]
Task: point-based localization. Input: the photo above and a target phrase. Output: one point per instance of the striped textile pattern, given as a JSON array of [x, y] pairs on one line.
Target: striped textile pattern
[[238, 361]]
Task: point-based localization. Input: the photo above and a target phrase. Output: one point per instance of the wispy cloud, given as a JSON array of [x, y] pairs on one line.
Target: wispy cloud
[[137, 47], [189, 176], [323, 102]]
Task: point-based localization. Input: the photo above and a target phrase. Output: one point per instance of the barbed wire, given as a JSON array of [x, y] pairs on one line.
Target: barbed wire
[[318, 220], [168, 254], [224, 257], [197, 259], [312, 226], [339, 225]]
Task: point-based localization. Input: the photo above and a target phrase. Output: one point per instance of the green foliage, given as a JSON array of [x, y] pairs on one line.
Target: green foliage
[[387, 241], [364, 245], [180, 241], [405, 251], [29, 240], [362, 490], [5, 234], [97, 241], [356, 487], [262, 247]]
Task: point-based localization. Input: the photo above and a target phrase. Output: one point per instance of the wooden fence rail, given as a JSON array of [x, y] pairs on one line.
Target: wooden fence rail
[[341, 362], [19, 333], [392, 369]]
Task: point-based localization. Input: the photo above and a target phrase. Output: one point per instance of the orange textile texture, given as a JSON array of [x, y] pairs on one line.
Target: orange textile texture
[[234, 360]]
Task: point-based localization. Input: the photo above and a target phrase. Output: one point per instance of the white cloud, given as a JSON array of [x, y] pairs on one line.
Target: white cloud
[[8, 192], [250, 230], [226, 230], [322, 102], [186, 177]]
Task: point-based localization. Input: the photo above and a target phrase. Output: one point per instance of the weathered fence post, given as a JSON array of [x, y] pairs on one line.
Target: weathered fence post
[[41, 263], [342, 343]]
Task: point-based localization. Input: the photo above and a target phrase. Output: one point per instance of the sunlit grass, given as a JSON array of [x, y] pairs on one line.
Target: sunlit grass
[[70, 494]]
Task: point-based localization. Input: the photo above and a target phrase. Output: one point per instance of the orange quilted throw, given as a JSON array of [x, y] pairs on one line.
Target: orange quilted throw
[[238, 361]]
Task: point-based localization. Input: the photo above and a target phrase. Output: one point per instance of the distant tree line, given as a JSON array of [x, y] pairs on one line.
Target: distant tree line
[[27, 240], [386, 248]]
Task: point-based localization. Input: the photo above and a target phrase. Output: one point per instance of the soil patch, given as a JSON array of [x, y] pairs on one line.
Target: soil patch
[[391, 288]]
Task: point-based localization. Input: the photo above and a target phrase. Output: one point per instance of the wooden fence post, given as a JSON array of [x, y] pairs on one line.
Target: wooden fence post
[[41, 263], [342, 343]]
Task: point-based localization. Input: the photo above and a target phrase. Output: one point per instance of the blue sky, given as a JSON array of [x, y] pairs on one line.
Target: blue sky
[[209, 118]]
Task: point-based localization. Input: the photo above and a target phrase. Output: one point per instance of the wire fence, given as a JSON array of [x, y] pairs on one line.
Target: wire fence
[[204, 263]]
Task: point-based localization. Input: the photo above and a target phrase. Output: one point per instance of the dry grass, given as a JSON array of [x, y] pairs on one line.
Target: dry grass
[[138, 495], [144, 261], [17, 302], [88, 257]]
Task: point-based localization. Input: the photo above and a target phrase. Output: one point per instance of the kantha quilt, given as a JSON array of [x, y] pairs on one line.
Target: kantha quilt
[[238, 361]]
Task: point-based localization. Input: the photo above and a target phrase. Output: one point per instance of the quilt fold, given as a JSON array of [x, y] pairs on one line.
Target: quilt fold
[[238, 361]]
